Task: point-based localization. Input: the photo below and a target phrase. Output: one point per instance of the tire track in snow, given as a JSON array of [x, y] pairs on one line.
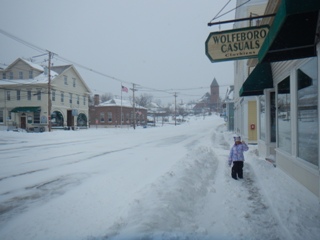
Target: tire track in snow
[[37, 194]]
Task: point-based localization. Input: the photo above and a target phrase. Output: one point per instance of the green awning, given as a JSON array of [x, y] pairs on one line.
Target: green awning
[[26, 109], [259, 79], [293, 32]]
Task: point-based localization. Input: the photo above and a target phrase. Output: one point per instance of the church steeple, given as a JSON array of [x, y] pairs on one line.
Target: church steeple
[[215, 99], [214, 83]]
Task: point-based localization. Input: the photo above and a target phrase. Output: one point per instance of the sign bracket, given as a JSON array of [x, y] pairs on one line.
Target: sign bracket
[[241, 19]]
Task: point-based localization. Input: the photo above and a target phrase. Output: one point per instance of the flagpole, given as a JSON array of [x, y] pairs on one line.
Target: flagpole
[[121, 107]]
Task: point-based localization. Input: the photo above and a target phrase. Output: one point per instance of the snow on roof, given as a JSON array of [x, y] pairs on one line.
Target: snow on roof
[[118, 102], [33, 65], [60, 69], [154, 105], [41, 78]]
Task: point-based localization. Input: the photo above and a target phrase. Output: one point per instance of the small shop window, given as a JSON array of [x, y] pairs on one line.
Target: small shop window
[[29, 118], [36, 117]]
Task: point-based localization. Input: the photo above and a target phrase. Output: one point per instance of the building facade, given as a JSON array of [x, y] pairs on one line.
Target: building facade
[[245, 109], [116, 113], [25, 101], [283, 81]]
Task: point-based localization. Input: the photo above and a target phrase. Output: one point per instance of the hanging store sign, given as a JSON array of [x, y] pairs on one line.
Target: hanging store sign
[[235, 44]]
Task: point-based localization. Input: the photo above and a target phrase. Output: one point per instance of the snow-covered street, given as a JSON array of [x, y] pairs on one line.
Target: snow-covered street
[[167, 182]]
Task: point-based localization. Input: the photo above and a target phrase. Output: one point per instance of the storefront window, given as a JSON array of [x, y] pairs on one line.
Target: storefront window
[[82, 120], [284, 115], [57, 119], [262, 117], [273, 117], [36, 117], [308, 129]]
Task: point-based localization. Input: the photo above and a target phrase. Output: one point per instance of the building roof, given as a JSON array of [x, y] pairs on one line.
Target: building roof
[[42, 78], [118, 103], [31, 64], [214, 83], [60, 69]]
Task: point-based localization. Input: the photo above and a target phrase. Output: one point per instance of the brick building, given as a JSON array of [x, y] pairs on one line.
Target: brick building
[[108, 114]]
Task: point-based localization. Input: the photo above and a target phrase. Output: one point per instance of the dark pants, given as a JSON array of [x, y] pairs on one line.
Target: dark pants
[[237, 169]]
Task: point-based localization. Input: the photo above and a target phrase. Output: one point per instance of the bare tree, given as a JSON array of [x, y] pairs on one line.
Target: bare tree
[[106, 97], [144, 100], [158, 101]]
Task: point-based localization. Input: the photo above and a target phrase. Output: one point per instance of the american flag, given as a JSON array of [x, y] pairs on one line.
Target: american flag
[[124, 89]]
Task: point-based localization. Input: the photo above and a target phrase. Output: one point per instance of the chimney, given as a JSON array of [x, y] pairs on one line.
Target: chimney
[[96, 99]]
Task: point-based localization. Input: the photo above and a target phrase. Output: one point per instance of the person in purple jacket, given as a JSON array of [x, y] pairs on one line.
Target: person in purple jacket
[[237, 158]]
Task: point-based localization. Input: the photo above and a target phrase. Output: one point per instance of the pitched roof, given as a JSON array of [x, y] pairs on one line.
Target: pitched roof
[[214, 83], [33, 65], [60, 69], [118, 103], [40, 79]]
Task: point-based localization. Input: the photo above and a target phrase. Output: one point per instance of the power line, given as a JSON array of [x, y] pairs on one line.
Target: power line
[[220, 11], [92, 70], [28, 44], [44, 52], [216, 17]]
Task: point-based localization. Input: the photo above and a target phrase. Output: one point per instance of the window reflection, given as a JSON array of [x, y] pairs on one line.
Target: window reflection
[[308, 129], [262, 117], [273, 117], [284, 117]]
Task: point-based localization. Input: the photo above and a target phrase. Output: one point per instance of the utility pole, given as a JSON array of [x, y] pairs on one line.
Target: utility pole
[[175, 109], [134, 108], [49, 92]]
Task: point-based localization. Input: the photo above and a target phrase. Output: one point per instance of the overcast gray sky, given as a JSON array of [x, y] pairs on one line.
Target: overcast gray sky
[[157, 44]]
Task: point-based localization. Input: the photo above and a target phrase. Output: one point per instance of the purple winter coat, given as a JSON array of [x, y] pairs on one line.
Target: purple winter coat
[[236, 152]]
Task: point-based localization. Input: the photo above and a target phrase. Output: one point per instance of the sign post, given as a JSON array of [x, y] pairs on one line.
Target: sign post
[[241, 43]]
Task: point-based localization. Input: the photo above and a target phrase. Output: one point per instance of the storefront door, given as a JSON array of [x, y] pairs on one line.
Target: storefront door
[[70, 121], [23, 123]]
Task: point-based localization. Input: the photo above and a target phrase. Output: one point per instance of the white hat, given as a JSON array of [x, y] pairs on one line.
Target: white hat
[[237, 138]]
